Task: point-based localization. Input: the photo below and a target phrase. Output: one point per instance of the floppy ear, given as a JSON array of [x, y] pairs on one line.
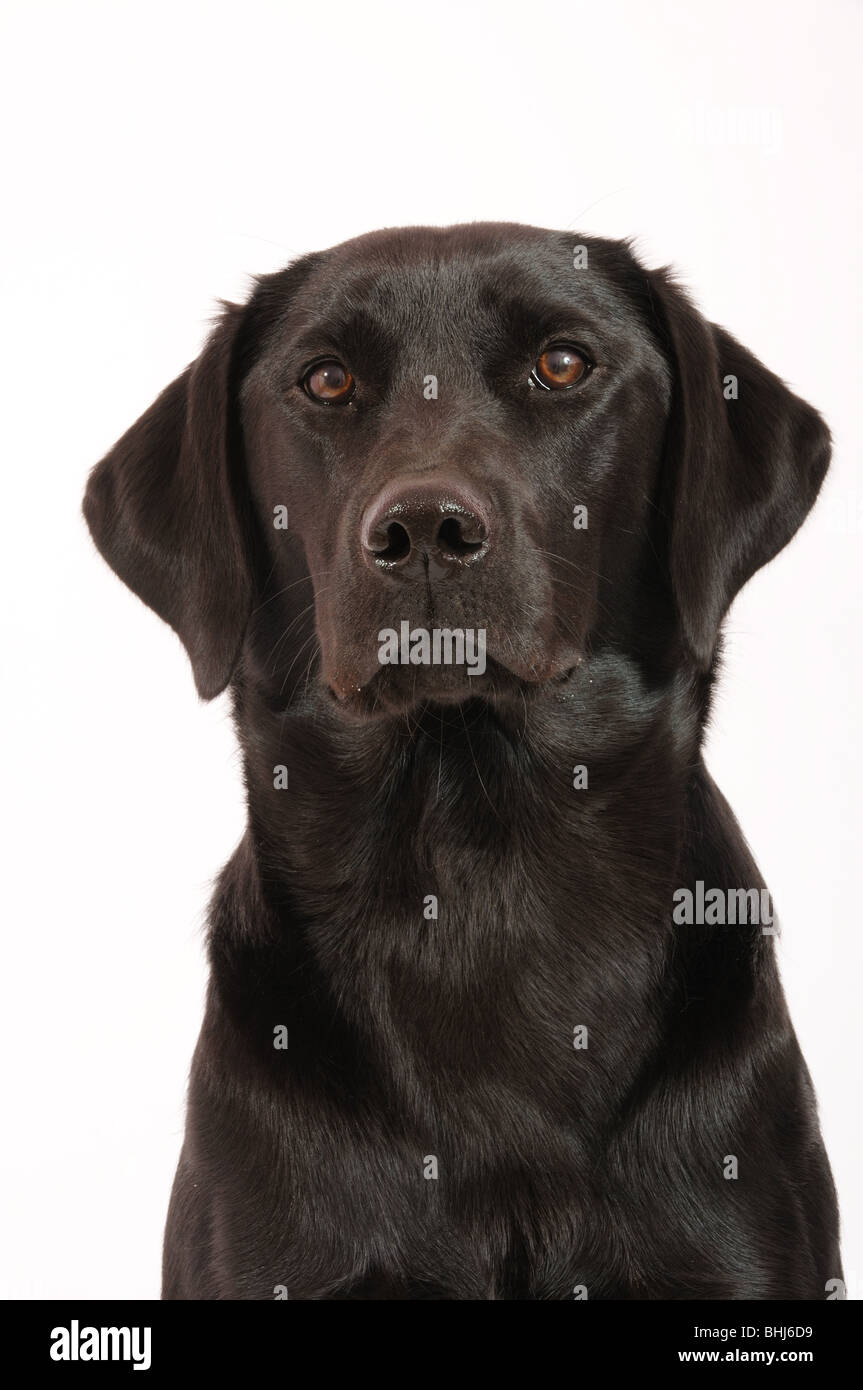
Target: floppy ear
[[745, 461], [161, 508]]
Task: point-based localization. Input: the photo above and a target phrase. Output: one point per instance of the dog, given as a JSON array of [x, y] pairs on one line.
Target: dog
[[462, 1040]]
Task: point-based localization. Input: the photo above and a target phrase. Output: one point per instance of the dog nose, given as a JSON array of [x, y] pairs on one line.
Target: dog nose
[[437, 527]]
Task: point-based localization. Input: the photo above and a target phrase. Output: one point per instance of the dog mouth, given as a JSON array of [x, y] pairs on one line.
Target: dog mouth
[[393, 690]]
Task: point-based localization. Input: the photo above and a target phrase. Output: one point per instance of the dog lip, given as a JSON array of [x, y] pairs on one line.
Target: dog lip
[[499, 682]]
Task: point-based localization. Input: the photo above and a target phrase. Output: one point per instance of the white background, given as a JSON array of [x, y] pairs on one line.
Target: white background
[[156, 155]]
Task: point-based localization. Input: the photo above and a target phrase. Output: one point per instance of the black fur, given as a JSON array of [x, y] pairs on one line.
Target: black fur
[[598, 1169]]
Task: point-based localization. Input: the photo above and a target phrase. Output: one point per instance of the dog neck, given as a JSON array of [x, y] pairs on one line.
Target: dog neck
[[410, 808]]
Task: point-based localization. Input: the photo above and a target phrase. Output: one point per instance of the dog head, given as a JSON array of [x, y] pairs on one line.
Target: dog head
[[435, 464]]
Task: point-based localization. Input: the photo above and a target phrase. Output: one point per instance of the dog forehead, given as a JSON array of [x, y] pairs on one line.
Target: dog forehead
[[458, 276]]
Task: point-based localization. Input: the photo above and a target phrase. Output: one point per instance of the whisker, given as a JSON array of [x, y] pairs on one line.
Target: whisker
[[306, 579], [297, 654]]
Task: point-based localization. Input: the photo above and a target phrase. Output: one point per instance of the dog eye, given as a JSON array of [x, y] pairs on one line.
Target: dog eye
[[329, 382], [560, 367]]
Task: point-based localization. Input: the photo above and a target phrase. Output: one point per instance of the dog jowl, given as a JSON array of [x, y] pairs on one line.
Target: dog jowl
[[456, 1043]]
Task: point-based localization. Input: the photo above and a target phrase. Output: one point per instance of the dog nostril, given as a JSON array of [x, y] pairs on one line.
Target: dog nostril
[[459, 536], [393, 544]]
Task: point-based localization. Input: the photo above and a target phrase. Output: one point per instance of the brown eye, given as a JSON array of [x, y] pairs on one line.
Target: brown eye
[[329, 382], [559, 367]]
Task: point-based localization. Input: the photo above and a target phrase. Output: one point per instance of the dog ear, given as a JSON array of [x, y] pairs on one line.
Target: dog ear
[[745, 460], [162, 509]]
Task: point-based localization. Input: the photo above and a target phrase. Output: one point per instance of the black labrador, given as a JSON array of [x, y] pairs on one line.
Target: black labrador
[[494, 1010]]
